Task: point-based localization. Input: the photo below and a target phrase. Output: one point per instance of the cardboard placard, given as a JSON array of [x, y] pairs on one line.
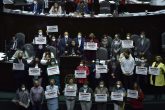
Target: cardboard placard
[[51, 94], [101, 69], [90, 46], [53, 70], [40, 40], [141, 70], [132, 94], [34, 71], [127, 44], [84, 96], [18, 66], [80, 74], [101, 97], [52, 28], [70, 91], [154, 71], [117, 96]]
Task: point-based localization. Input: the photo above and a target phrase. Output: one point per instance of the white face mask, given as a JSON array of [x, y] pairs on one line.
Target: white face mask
[[79, 36], [118, 86], [40, 33], [142, 36], [23, 89], [66, 36], [101, 85], [35, 2], [53, 39], [85, 86], [128, 38], [81, 64]]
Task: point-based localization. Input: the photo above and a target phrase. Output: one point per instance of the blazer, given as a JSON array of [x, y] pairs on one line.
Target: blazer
[[143, 48], [62, 44], [81, 48]]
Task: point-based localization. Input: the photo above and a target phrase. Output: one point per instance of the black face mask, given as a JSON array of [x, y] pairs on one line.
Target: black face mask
[[126, 57], [20, 57]]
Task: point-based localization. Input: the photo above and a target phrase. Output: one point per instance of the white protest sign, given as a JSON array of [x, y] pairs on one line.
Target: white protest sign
[[70, 91], [40, 40], [18, 66], [51, 94], [101, 97], [132, 94], [127, 44], [117, 96], [80, 74], [34, 71], [84, 96], [52, 28], [101, 69], [154, 71], [141, 70], [90, 46], [53, 70]]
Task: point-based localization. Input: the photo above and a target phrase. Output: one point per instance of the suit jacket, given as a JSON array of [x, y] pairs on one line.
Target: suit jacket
[[81, 48], [63, 43], [38, 8], [143, 48]]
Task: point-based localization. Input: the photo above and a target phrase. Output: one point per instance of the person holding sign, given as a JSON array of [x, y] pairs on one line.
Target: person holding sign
[[118, 88], [85, 68], [47, 55], [70, 92], [127, 66], [73, 49], [101, 89], [158, 81], [52, 100], [22, 98], [86, 104], [137, 103], [20, 68]]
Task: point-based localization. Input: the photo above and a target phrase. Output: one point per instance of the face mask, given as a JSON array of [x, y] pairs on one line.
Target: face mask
[[128, 38], [101, 85], [79, 36], [20, 57], [118, 86], [52, 63], [66, 36], [85, 86], [142, 36], [35, 2], [81, 64], [53, 39], [23, 89], [40, 33]]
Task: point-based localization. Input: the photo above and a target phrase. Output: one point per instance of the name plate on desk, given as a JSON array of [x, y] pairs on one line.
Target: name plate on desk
[[40, 40], [51, 94], [18, 66], [53, 70], [127, 44], [101, 69], [80, 74], [154, 71], [90, 46], [132, 94], [101, 97], [34, 71], [141, 70], [84, 96], [52, 28], [117, 96]]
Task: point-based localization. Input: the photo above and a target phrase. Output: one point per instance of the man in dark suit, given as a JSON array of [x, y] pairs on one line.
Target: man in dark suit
[[64, 43], [37, 6], [80, 42], [143, 45], [20, 75]]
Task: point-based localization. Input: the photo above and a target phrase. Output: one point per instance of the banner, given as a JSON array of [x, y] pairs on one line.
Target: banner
[[101, 69], [52, 28], [84, 96], [40, 40], [132, 94], [18, 66], [51, 94], [154, 71], [117, 96], [80, 74], [90, 46], [53, 70], [127, 44], [70, 91], [34, 71], [141, 70], [101, 97]]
